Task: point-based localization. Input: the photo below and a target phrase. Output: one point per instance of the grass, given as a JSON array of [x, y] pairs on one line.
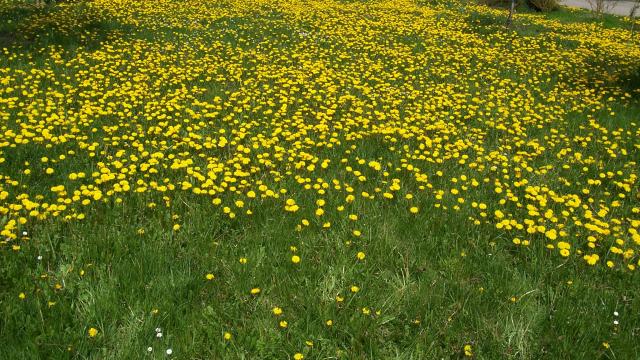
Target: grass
[[445, 184], [574, 15]]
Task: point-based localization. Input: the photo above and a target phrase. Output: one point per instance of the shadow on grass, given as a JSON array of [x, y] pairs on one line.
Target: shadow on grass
[[12, 18], [68, 25], [631, 83], [490, 24], [615, 72]]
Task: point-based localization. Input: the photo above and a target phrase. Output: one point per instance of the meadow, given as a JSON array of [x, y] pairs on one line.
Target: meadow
[[306, 179]]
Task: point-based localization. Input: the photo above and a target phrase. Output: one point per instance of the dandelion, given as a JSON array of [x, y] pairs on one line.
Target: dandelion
[[93, 332], [295, 259], [592, 259], [468, 350]]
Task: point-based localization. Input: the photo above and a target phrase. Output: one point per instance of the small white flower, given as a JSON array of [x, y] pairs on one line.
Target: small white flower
[[149, 349], [615, 313], [39, 257], [169, 351], [615, 322], [24, 233], [159, 335], [158, 330]]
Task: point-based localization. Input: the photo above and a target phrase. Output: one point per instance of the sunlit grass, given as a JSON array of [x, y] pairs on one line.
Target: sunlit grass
[[317, 179]]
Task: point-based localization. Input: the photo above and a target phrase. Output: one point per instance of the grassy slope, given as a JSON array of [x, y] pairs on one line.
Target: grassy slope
[[439, 281]]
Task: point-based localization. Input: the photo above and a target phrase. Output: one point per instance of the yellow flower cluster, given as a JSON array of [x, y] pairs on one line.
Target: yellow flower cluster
[[343, 104]]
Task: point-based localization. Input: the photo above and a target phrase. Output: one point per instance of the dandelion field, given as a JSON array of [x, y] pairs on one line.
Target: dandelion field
[[317, 179]]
